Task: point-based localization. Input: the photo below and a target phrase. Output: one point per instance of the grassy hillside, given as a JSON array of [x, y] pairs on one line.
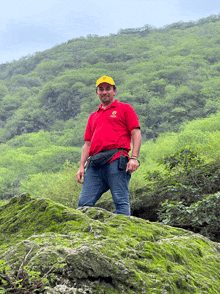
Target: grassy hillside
[[170, 76]]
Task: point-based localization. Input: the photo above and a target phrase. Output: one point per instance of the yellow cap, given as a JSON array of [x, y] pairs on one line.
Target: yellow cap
[[105, 79]]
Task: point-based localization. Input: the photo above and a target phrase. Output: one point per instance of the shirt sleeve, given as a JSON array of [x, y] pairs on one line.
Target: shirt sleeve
[[131, 118], [88, 132]]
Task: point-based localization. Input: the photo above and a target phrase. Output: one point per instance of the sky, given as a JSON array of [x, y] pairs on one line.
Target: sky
[[30, 26]]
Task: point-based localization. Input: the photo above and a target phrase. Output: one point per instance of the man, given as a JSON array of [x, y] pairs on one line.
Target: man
[[110, 127]]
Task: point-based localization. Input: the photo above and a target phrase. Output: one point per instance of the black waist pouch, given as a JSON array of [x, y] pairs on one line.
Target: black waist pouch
[[102, 158]]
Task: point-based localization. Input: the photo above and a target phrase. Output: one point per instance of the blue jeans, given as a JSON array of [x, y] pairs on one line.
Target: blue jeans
[[98, 181]]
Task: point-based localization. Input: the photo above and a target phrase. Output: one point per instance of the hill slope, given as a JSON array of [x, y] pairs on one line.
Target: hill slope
[[168, 75]]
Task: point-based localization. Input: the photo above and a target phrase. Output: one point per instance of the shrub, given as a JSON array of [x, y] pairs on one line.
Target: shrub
[[60, 187], [202, 216], [185, 193], [23, 281]]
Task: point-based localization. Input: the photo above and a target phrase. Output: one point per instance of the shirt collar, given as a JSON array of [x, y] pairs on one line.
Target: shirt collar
[[114, 104]]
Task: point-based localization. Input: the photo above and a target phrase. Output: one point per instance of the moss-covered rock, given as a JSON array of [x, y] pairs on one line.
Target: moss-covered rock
[[91, 250]]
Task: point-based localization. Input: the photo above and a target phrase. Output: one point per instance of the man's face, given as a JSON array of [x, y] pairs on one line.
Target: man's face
[[106, 93]]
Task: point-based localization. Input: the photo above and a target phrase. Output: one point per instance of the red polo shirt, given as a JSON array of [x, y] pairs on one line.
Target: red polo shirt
[[110, 128]]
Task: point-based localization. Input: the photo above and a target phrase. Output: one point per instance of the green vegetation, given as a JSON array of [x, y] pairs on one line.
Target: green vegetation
[[32, 154], [23, 281], [170, 76], [91, 250], [187, 193], [181, 172]]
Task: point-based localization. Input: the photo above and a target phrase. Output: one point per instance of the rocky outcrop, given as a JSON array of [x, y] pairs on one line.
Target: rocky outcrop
[[91, 250]]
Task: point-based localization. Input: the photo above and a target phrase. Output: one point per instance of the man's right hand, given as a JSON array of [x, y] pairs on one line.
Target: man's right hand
[[80, 175], [84, 157]]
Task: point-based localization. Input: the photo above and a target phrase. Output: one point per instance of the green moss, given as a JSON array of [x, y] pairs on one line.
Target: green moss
[[24, 216], [105, 252]]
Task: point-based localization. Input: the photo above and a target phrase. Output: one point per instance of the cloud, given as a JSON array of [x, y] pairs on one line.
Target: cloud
[[18, 32]]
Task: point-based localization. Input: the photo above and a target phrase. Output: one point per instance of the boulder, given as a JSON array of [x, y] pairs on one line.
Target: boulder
[[91, 250]]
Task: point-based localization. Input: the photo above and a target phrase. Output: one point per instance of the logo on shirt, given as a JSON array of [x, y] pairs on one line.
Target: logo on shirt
[[113, 114]]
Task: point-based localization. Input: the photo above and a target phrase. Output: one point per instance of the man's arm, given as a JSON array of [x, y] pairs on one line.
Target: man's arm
[[136, 137], [84, 156]]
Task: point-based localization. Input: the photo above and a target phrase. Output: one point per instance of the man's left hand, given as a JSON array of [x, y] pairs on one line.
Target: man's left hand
[[132, 166]]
